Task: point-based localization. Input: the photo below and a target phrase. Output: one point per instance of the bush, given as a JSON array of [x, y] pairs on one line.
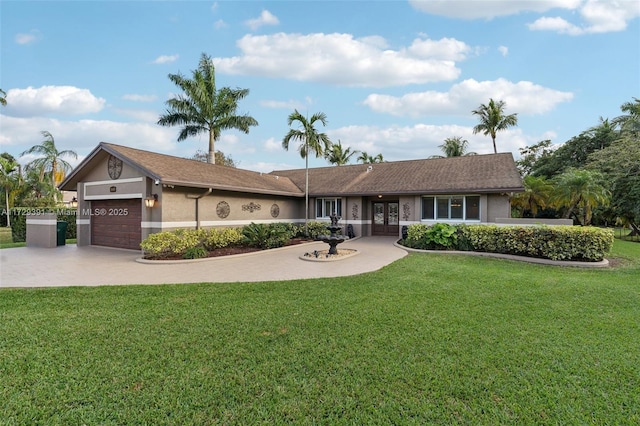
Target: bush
[[220, 238], [195, 253], [265, 236], [315, 228], [556, 243], [440, 236]]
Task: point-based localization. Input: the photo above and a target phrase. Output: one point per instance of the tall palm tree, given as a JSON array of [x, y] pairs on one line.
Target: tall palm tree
[[368, 159], [9, 180], [454, 147], [203, 108], [537, 191], [3, 97], [493, 119], [338, 155], [50, 160], [580, 189], [310, 141]]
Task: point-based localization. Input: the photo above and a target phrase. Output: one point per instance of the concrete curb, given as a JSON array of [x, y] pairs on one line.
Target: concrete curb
[[602, 264]]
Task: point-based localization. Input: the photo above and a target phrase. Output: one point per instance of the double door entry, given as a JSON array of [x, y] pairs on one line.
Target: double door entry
[[386, 219]]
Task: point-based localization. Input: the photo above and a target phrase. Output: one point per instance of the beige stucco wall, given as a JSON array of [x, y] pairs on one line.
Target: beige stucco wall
[[181, 208], [497, 206]]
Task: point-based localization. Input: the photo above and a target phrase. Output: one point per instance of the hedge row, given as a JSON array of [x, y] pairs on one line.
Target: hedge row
[[586, 244], [196, 243], [19, 221]]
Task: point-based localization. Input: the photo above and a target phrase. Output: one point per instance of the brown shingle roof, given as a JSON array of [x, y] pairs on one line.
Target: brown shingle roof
[[191, 173], [469, 174]]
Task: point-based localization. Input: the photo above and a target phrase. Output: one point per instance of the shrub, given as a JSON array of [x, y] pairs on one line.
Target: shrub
[[264, 236], [435, 237], [315, 228], [556, 243], [195, 253], [219, 238], [171, 243]]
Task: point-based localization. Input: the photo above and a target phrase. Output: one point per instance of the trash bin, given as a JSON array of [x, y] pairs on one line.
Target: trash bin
[[61, 229]]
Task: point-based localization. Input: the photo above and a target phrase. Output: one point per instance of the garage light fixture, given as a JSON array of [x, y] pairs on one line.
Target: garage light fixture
[[74, 203], [151, 200]]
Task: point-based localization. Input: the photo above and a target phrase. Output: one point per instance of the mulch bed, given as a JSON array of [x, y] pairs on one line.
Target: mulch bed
[[227, 251]]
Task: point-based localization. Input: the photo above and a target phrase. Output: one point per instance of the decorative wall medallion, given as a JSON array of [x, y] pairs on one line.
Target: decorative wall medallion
[[354, 212], [275, 210], [406, 211], [114, 166], [251, 207], [223, 209]]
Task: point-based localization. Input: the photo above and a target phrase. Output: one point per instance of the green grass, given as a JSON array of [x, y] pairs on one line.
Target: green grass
[[430, 339]]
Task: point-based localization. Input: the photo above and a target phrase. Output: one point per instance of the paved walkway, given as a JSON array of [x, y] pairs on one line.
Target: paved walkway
[[93, 266]]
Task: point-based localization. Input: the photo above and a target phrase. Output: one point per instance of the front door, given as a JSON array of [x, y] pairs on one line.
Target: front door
[[386, 220]]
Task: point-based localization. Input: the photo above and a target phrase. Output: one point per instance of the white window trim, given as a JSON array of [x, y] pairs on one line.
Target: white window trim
[[449, 219], [324, 214]]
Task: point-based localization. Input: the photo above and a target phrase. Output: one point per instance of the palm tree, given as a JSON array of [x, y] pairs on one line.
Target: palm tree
[[3, 97], [537, 191], [368, 159], [203, 108], [454, 147], [50, 160], [493, 119], [581, 189], [310, 141], [338, 155], [9, 180], [631, 121]]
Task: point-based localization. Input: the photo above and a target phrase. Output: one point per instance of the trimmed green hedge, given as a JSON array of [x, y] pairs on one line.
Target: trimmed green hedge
[[19, 221], [192, 243], [586, 244]]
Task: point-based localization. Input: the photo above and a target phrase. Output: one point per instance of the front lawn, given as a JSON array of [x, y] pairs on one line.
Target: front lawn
[[430, 339]]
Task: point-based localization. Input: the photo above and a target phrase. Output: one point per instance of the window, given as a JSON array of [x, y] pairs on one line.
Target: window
[[451, 207], [326, 206]]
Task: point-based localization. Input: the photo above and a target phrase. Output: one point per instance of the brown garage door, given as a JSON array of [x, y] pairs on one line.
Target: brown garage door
[[116, 223]]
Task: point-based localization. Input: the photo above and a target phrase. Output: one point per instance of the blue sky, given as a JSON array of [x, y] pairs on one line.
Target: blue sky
[[393, 77]]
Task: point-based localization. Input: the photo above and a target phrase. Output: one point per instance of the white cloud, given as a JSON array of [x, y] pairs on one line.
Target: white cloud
[[344, 60], [219, 24], [504, 50], [139, 98], [265, 18], [145, 116], [64, 100], [290, 104], [598, 16], [422, 140], [82, 136], [272, 145], [522, 97], [487, 9], [27, 38], [165, 59]]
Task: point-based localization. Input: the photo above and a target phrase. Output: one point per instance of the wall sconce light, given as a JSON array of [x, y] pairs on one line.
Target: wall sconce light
[[151, 200], [74, 203], [379, 196]]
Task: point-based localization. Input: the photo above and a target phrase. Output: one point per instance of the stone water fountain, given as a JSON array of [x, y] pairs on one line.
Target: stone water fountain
[[334, 239]]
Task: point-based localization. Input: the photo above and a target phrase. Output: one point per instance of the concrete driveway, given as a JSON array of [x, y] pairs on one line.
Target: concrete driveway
[[93, 266]]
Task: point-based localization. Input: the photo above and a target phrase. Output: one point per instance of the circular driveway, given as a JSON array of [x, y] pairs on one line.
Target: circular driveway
[[71, 265]]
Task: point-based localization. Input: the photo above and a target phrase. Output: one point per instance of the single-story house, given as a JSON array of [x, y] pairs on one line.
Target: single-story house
[[124, 194]]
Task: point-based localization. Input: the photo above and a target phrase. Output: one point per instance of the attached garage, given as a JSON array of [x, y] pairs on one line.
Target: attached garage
[[116, 223]]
